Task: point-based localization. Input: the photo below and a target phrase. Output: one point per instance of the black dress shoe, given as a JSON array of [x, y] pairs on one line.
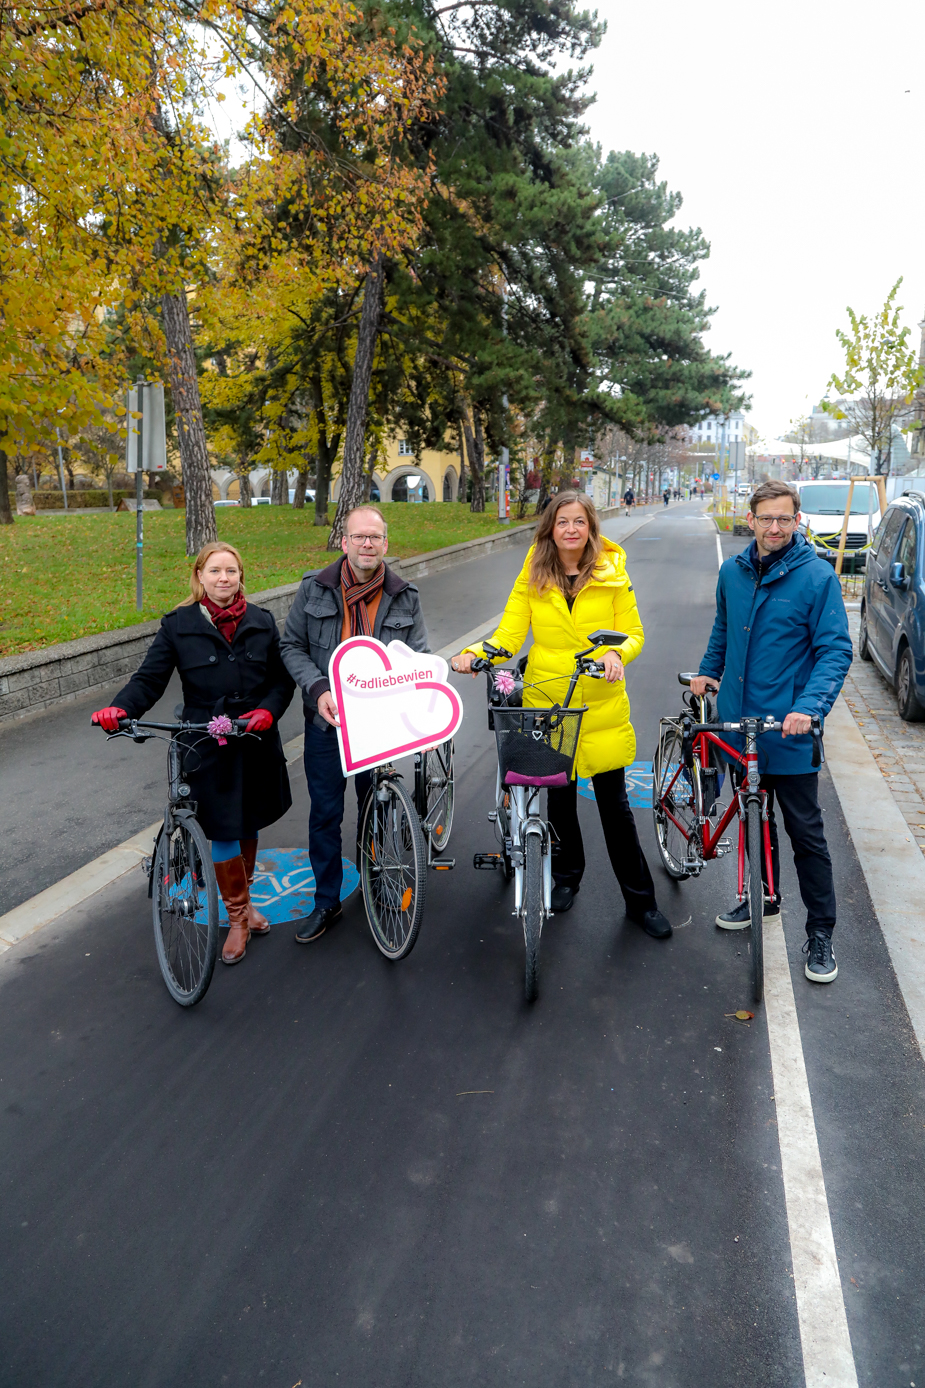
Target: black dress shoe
[[562, 898], [317, 923], [654, 924]]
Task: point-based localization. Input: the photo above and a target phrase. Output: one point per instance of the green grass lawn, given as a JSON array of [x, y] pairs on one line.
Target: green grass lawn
[[63, 577]]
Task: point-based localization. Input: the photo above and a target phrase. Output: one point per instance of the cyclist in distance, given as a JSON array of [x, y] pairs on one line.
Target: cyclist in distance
[[574, 582], [780, 646], [357, 595], [227, 653]]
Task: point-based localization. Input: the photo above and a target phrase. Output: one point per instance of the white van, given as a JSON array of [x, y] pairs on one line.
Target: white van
[[822, 505]]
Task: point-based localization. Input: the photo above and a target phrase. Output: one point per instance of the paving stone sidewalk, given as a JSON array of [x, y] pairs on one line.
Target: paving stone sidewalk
[[898, 747]]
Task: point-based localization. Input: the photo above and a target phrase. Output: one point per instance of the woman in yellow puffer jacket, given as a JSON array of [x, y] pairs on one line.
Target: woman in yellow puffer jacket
[[573, 582]]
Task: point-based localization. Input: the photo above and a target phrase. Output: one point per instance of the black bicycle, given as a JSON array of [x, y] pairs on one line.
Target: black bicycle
[[181, 878], [398, 835]]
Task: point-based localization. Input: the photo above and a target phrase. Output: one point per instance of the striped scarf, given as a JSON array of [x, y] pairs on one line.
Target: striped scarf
[[356, 595]]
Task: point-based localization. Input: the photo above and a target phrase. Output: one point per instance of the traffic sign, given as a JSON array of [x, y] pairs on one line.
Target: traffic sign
[[715, 476]]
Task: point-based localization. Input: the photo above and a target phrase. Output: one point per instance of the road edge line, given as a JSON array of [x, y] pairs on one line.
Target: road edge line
[[826, 1344]]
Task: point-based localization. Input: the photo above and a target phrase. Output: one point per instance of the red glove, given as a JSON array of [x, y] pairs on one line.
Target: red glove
[[260, 720], [108, 718]]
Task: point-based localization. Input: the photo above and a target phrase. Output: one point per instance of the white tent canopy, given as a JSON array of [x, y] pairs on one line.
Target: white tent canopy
[[854, 450]]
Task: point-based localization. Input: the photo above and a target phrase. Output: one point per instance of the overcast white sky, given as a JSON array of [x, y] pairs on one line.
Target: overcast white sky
[[788, 129]]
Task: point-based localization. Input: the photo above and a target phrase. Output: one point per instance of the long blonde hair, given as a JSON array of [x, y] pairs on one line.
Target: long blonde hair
[[197, 592], [546, 569]]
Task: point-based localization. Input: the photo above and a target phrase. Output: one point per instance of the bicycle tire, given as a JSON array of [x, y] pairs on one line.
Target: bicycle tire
[[533, 913], [437, 774], [184, 902], [756, 897], [684, 799], [393, 868]]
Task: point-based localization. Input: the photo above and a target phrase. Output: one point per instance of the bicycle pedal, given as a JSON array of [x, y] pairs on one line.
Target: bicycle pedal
[[146, 866], [492, 816], [723, 847], [487, 861], [442, 864]]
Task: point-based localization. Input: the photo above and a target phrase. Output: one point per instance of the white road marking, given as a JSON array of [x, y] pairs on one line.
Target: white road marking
[[827, 1358], [828, 1361]]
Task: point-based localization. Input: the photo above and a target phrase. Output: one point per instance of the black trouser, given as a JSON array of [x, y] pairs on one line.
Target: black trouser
[[626, 855], [798, 798]]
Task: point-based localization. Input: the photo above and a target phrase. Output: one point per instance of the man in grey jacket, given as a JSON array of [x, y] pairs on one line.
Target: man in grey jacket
[[358, 595]]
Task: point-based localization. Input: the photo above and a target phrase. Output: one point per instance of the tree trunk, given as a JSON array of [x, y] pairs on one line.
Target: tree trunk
[[279, 488], [461, 492], [6, 513], [301, 482], [351, 477], [112, 503], [245, 490], [191, 433], [475, 447], [327, 453]]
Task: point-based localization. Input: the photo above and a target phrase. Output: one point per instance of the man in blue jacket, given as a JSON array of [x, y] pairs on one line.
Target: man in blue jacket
[[780, 645]]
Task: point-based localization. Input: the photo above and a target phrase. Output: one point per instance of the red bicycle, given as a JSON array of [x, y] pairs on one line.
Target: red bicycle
[[690, 821]]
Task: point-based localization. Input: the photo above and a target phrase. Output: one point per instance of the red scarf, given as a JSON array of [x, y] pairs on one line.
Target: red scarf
[[357, 593], [225, 619]]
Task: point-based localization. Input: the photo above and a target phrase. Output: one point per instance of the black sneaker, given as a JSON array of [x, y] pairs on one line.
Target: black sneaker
[[562, 898], [740, 917], [317, 923], [820, 961]]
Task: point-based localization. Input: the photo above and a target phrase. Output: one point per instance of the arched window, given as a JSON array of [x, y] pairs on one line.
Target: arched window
[[412, 487], [449, 489]]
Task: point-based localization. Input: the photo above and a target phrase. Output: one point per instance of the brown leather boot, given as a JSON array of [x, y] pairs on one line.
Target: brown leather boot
[[258, 923], [232, 883]]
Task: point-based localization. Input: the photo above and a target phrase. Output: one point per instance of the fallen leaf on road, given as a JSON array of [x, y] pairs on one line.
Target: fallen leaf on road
[[741, 1015]]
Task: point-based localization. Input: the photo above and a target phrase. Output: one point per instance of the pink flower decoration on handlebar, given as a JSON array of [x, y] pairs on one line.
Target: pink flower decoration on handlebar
[[219, 728], [505, 682]]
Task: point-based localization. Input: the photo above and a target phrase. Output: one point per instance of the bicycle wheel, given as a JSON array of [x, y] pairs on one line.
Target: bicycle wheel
[[439, 793], [676, 804], [184, 900], [756, 897], [393, 868], [533, 912]]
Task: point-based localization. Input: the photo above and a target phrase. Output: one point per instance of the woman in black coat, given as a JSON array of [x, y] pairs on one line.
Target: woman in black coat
[[227, 653]]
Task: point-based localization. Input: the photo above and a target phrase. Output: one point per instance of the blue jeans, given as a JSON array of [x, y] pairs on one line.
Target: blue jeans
[[326, 786]]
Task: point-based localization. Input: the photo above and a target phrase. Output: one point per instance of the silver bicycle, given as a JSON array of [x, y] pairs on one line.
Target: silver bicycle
[[536, 751]]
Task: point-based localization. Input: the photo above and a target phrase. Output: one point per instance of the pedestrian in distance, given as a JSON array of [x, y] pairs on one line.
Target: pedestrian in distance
[[629, 499], [227, 653], [780, 646], [574, 582], [666, 496], [357, 595]]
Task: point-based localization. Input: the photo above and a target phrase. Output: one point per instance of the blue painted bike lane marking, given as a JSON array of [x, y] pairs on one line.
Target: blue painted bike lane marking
[[638, 785]]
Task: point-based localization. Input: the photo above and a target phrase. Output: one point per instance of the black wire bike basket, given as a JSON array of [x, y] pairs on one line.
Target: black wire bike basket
[[537, 746]]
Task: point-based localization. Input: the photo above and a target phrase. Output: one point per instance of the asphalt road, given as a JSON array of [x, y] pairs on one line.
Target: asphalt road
[[335, 1170]]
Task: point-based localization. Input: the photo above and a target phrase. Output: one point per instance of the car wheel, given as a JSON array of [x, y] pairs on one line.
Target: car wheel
[[910, 710], [863, 643]]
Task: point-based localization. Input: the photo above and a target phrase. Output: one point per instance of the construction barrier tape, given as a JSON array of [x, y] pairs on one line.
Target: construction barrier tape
[[833, 549]]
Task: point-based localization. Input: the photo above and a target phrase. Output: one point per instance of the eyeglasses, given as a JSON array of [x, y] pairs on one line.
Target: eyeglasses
[[364, 539], [785, 522]]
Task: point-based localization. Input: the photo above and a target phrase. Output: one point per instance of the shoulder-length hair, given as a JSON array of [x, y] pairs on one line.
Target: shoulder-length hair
[[197, 592], [546, 570]]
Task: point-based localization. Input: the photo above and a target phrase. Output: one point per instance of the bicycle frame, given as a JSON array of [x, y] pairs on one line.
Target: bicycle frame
[[709, 841], [519, 819]]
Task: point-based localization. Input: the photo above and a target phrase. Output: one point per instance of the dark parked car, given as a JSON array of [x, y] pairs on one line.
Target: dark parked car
[[893, 607]]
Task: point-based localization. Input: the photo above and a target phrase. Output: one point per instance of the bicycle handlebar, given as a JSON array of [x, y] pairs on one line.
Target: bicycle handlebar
[[765, 725], [130, 725]]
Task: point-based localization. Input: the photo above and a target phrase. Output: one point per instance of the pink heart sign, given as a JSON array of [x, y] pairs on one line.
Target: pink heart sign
[[391, 701]]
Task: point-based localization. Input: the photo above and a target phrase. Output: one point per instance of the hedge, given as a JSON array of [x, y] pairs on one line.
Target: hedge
[[54, 501]]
